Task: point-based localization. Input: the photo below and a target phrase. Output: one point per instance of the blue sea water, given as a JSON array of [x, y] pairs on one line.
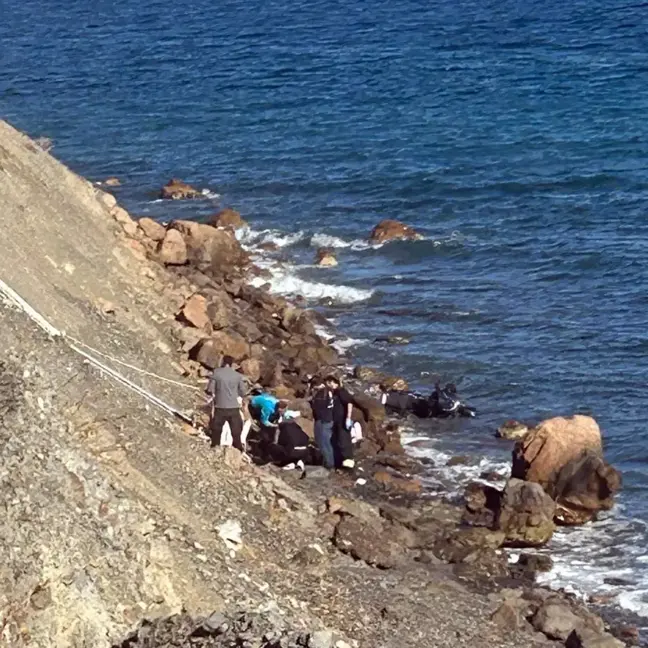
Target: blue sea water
[[512, 135]]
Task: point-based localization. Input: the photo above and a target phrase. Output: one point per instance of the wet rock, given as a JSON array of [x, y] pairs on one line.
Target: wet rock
[[152, 229], [112, 182], [535, 563], [483, 504], [526, 514], [585, 486], [228, 218], [172, 250], [325, 258], [491, 476], [629, 634], [397, 483], [393, 339], [512, 430], [459, 460], [394, 383], [178, 190], [194, 313], [393, 230]]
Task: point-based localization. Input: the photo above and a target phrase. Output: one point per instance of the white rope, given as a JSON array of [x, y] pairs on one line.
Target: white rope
[[129, 366], [34, 315]]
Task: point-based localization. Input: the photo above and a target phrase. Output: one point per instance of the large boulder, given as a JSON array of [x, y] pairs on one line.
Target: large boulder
[[584, 486], [194, 312], [178, 190], [172, 250], [368, 541], [526, 514], [213, 248], [541, 454], [228, 218], [393, 230], [151, 229], [564, 456], [522, 511], [210, 351]]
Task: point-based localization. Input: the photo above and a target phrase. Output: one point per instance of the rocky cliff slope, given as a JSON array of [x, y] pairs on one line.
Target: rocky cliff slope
[[112, 513]]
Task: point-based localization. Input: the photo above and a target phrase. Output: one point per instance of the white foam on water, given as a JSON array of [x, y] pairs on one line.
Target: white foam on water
[[320, 240], [250, 238], [212, 195], [284, 281], [343, 345]]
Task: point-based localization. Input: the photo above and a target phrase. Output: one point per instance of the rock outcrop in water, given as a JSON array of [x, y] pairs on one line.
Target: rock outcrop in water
[[178, 190], [564, 456], [393, 230]]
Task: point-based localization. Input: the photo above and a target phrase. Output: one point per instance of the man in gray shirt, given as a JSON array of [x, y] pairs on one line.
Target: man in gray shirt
[[225, 387]]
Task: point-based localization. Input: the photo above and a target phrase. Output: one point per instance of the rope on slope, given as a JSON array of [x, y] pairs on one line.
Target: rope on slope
[[52, 331]]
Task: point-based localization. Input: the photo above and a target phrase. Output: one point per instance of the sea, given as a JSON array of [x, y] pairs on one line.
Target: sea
[[512, 135]]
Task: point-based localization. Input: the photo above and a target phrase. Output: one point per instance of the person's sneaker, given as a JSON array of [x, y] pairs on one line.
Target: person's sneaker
[[300, 466], [348, 464], [290, 466]]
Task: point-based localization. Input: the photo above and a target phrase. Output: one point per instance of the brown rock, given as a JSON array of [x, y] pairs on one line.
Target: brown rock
[[465, 545], [585, 486], [112, 182], [325, 258], [210, 351], [395, 482], [526, 514], [586, 638], [355, 508], [121, 215], [368, 375], [152, 229], [394, 383], [564, 456], [172, 250], [511, 614], [178, 190], [252, 369], [194, 313], [228, 218], [542, 453], [208, 246], [367, 542], [393, 230], [512, 430]]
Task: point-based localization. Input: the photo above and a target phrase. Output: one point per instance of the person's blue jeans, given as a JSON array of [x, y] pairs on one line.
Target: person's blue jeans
[[324, 441]]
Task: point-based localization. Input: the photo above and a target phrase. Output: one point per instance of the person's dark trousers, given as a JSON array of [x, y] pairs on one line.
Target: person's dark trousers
[[342, 443], [219, 418], [324, 441], [282, 456]]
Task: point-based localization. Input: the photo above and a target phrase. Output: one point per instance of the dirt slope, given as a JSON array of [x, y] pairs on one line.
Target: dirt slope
[[109, 512]]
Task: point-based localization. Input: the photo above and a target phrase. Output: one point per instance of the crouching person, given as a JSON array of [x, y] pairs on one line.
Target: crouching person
[[291, 447]]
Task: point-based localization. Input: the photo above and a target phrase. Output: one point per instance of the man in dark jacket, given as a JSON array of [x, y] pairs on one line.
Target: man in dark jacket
[[342, 423], [322, 405], [226, 388]]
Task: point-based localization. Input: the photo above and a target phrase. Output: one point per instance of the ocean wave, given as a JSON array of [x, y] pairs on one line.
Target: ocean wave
[[321, 240], [250, 238], [284, 281]]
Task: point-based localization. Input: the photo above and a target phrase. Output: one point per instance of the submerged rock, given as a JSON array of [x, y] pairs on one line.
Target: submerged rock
[[228, 218], [393, 230], [325, 258], [512, 430], [178, 190]]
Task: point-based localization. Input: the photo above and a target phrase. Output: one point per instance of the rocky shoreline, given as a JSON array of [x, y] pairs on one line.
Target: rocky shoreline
[[277, 344], [116, 514]]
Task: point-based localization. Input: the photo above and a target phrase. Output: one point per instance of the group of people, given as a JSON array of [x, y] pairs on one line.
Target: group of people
[[279, 437]]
